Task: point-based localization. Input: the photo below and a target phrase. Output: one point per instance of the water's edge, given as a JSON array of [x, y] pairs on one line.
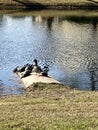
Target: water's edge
[[13, 6]]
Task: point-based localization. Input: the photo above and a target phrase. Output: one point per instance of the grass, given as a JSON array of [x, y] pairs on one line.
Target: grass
[[50, 107], [55, 1], [68, 3]]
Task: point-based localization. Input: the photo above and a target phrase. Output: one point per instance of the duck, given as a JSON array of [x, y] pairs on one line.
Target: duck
[[20, 68], [36, 67], [27, 71], [45, 71]]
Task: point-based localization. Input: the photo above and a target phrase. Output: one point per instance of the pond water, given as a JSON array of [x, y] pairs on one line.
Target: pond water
[[65, 40]]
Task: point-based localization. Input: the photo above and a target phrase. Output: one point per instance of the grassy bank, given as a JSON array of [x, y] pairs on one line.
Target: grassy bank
[[50, 107], [55, 4]]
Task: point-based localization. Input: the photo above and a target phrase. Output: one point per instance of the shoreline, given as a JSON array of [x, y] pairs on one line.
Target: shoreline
[[16, 6]]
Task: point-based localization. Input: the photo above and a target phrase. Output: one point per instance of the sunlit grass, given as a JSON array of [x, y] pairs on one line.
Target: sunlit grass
[[74, 2], [49, 4], [50, 107]]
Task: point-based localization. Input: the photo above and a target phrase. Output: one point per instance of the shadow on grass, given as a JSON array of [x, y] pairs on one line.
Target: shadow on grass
[[29, 4], [94, 2]]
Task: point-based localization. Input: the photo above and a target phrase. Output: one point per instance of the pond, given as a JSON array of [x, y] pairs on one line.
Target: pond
[[67, 41]]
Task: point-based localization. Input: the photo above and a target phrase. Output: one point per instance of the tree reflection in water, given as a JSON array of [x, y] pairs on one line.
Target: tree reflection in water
[[49, 22], [93, 74], [1, 87]]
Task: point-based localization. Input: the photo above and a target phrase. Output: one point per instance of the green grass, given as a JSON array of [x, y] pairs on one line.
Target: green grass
[[50, 107]]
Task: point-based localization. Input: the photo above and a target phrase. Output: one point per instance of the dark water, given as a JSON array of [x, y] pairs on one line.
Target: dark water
[[67, 42]]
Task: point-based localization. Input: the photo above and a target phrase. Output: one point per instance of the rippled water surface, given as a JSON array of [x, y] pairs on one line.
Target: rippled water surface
[[66, 41]]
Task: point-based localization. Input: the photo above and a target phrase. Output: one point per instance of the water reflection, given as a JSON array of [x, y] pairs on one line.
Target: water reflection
[[76, 19], [93, 73], [1, 20], [94, 23], [68, 44], [49, 22]]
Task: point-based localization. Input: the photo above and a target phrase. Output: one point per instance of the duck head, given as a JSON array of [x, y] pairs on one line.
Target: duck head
[[35, 61]]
